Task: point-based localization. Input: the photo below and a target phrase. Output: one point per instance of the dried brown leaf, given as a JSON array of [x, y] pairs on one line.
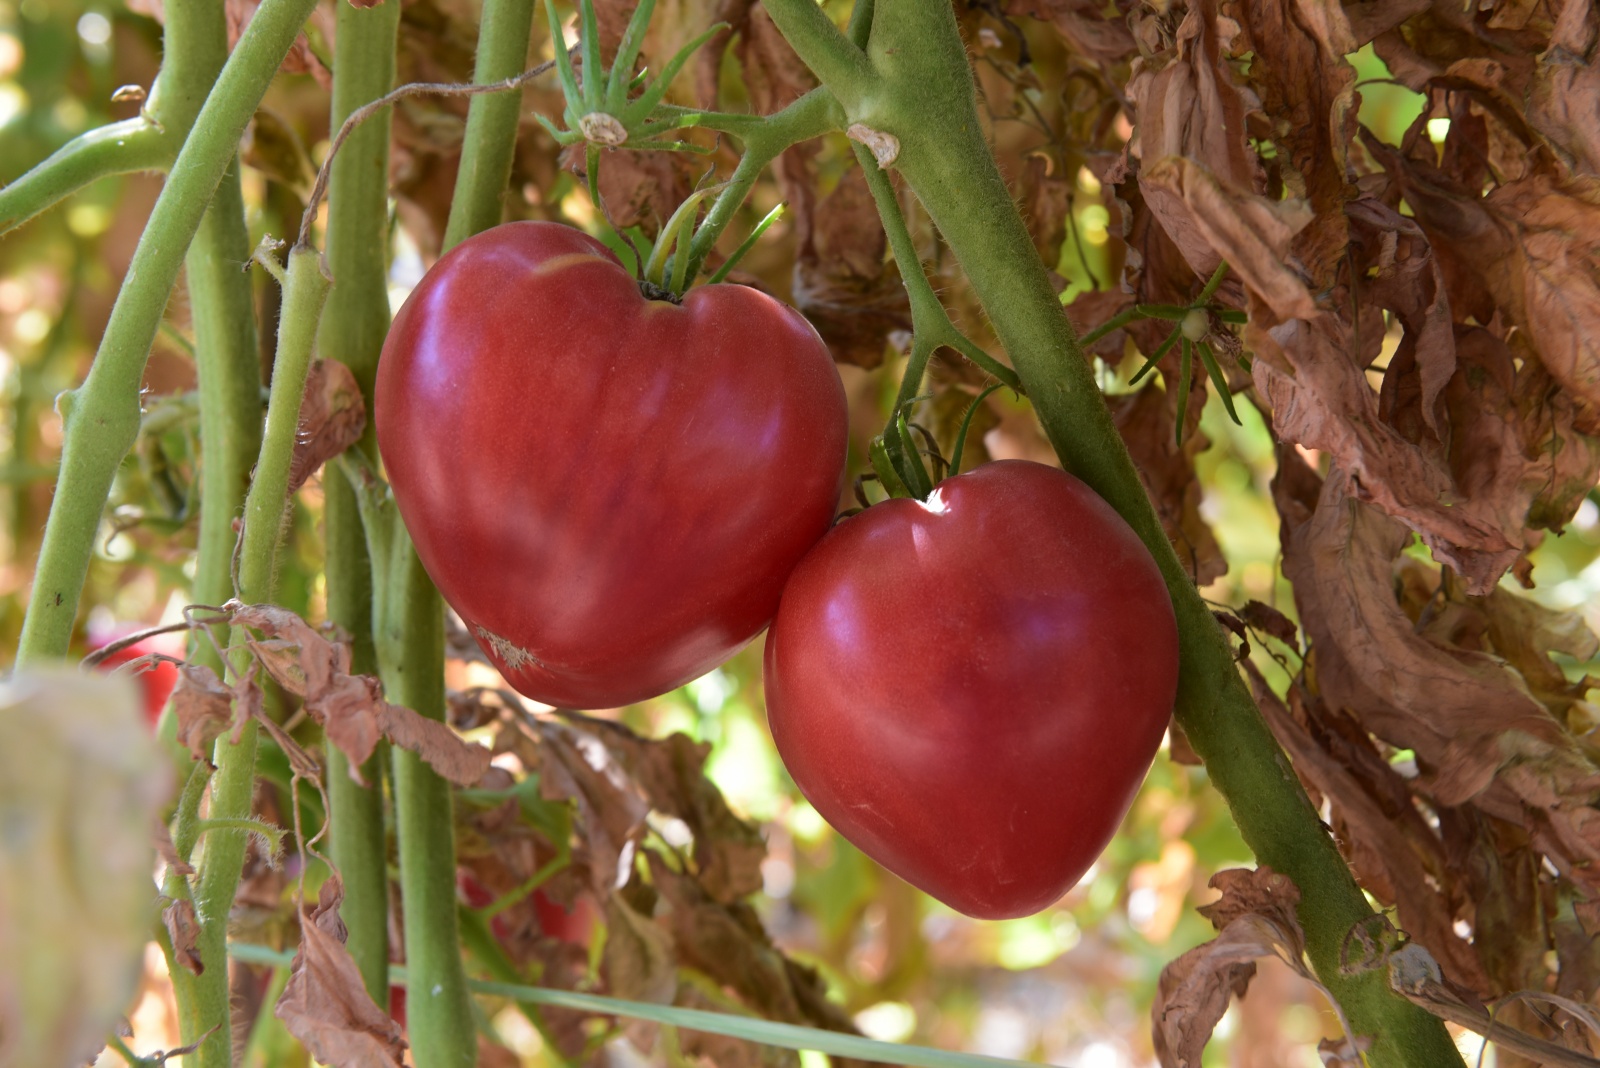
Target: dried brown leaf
[[351, 708], [1145, 420], [1269, 620], [332, 418], [183, 929], [203, 708], [639, 959], [1564, 103], [1255, 918], [670, 773], [1045, 198], [841, 281], [727, 943], [574, 765], [325, 1004], [1212, 221], [1370, 18], [461, 762], [1306, 88], [1393, 851], [1083, 25], [1190, 106], [1458, 709]]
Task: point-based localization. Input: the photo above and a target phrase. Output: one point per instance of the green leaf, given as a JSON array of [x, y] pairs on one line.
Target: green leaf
[[781, 1035]]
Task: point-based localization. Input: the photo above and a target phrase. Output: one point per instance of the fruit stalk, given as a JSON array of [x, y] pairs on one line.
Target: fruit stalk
[[920, 90], [101, 417], [352, 330]]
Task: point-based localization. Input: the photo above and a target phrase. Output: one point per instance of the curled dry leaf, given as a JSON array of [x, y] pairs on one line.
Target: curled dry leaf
[[203, 708], [1084, 25], [841, 281], [639, 960], [332, 418], [617, 778], [1255, 918], [351, 708], [183, 929], [325, 1004], [1369, 656]]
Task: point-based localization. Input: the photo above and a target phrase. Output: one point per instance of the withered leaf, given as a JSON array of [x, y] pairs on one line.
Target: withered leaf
[[1045, 199], [671, 772], [1190, 106], [1255, 918], [1453, 706], [639, 959], [841, 281], [1212, 222], [1269, 620], [325, 1004], [183, 928], [1084, 26], [203, 708], [460, 762], [1145, 420], [332, 418], [351, 708]]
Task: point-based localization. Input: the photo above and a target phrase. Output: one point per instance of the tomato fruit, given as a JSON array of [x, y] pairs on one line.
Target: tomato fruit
[[610, 490], [972, 688], [157, 679]]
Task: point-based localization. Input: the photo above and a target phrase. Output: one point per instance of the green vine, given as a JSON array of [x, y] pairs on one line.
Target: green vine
[[912, 82], [353, 328]]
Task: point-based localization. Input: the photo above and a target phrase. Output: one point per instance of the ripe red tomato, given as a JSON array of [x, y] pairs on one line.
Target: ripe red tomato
[[610, 490], [971, 689]]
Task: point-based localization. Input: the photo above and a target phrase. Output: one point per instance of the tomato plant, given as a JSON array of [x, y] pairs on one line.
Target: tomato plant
[[610, 490], [971, 688]]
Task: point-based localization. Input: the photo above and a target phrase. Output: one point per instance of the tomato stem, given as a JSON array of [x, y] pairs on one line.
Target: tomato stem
[[353, 327], [913, 81]]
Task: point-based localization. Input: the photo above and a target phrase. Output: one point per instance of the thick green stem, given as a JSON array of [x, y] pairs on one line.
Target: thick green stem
[[926, 99], [353, 329], [229, 370], [411, 655], [491, 135], [266, 508], [411, 628], [102, 416]]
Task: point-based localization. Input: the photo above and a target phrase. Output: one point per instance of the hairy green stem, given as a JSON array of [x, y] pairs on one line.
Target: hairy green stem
[[930, 323], [491, 136], [101, 418], [119, 148], [411, 629], [265, 513], [411, 657], [922, 93], [353, 329], [764, 138]]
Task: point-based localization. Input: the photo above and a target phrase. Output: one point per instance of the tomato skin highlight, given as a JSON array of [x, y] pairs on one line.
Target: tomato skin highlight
[[972, 689], [611, 491]]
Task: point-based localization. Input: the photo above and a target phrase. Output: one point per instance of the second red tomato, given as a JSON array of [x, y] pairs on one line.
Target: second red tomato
[[971, 688]]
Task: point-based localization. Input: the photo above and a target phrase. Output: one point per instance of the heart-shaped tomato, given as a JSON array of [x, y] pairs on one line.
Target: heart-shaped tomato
[[610, 490], [972, 688]]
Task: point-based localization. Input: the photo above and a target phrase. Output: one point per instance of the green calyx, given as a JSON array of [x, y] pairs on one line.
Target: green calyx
[[602, 109]]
